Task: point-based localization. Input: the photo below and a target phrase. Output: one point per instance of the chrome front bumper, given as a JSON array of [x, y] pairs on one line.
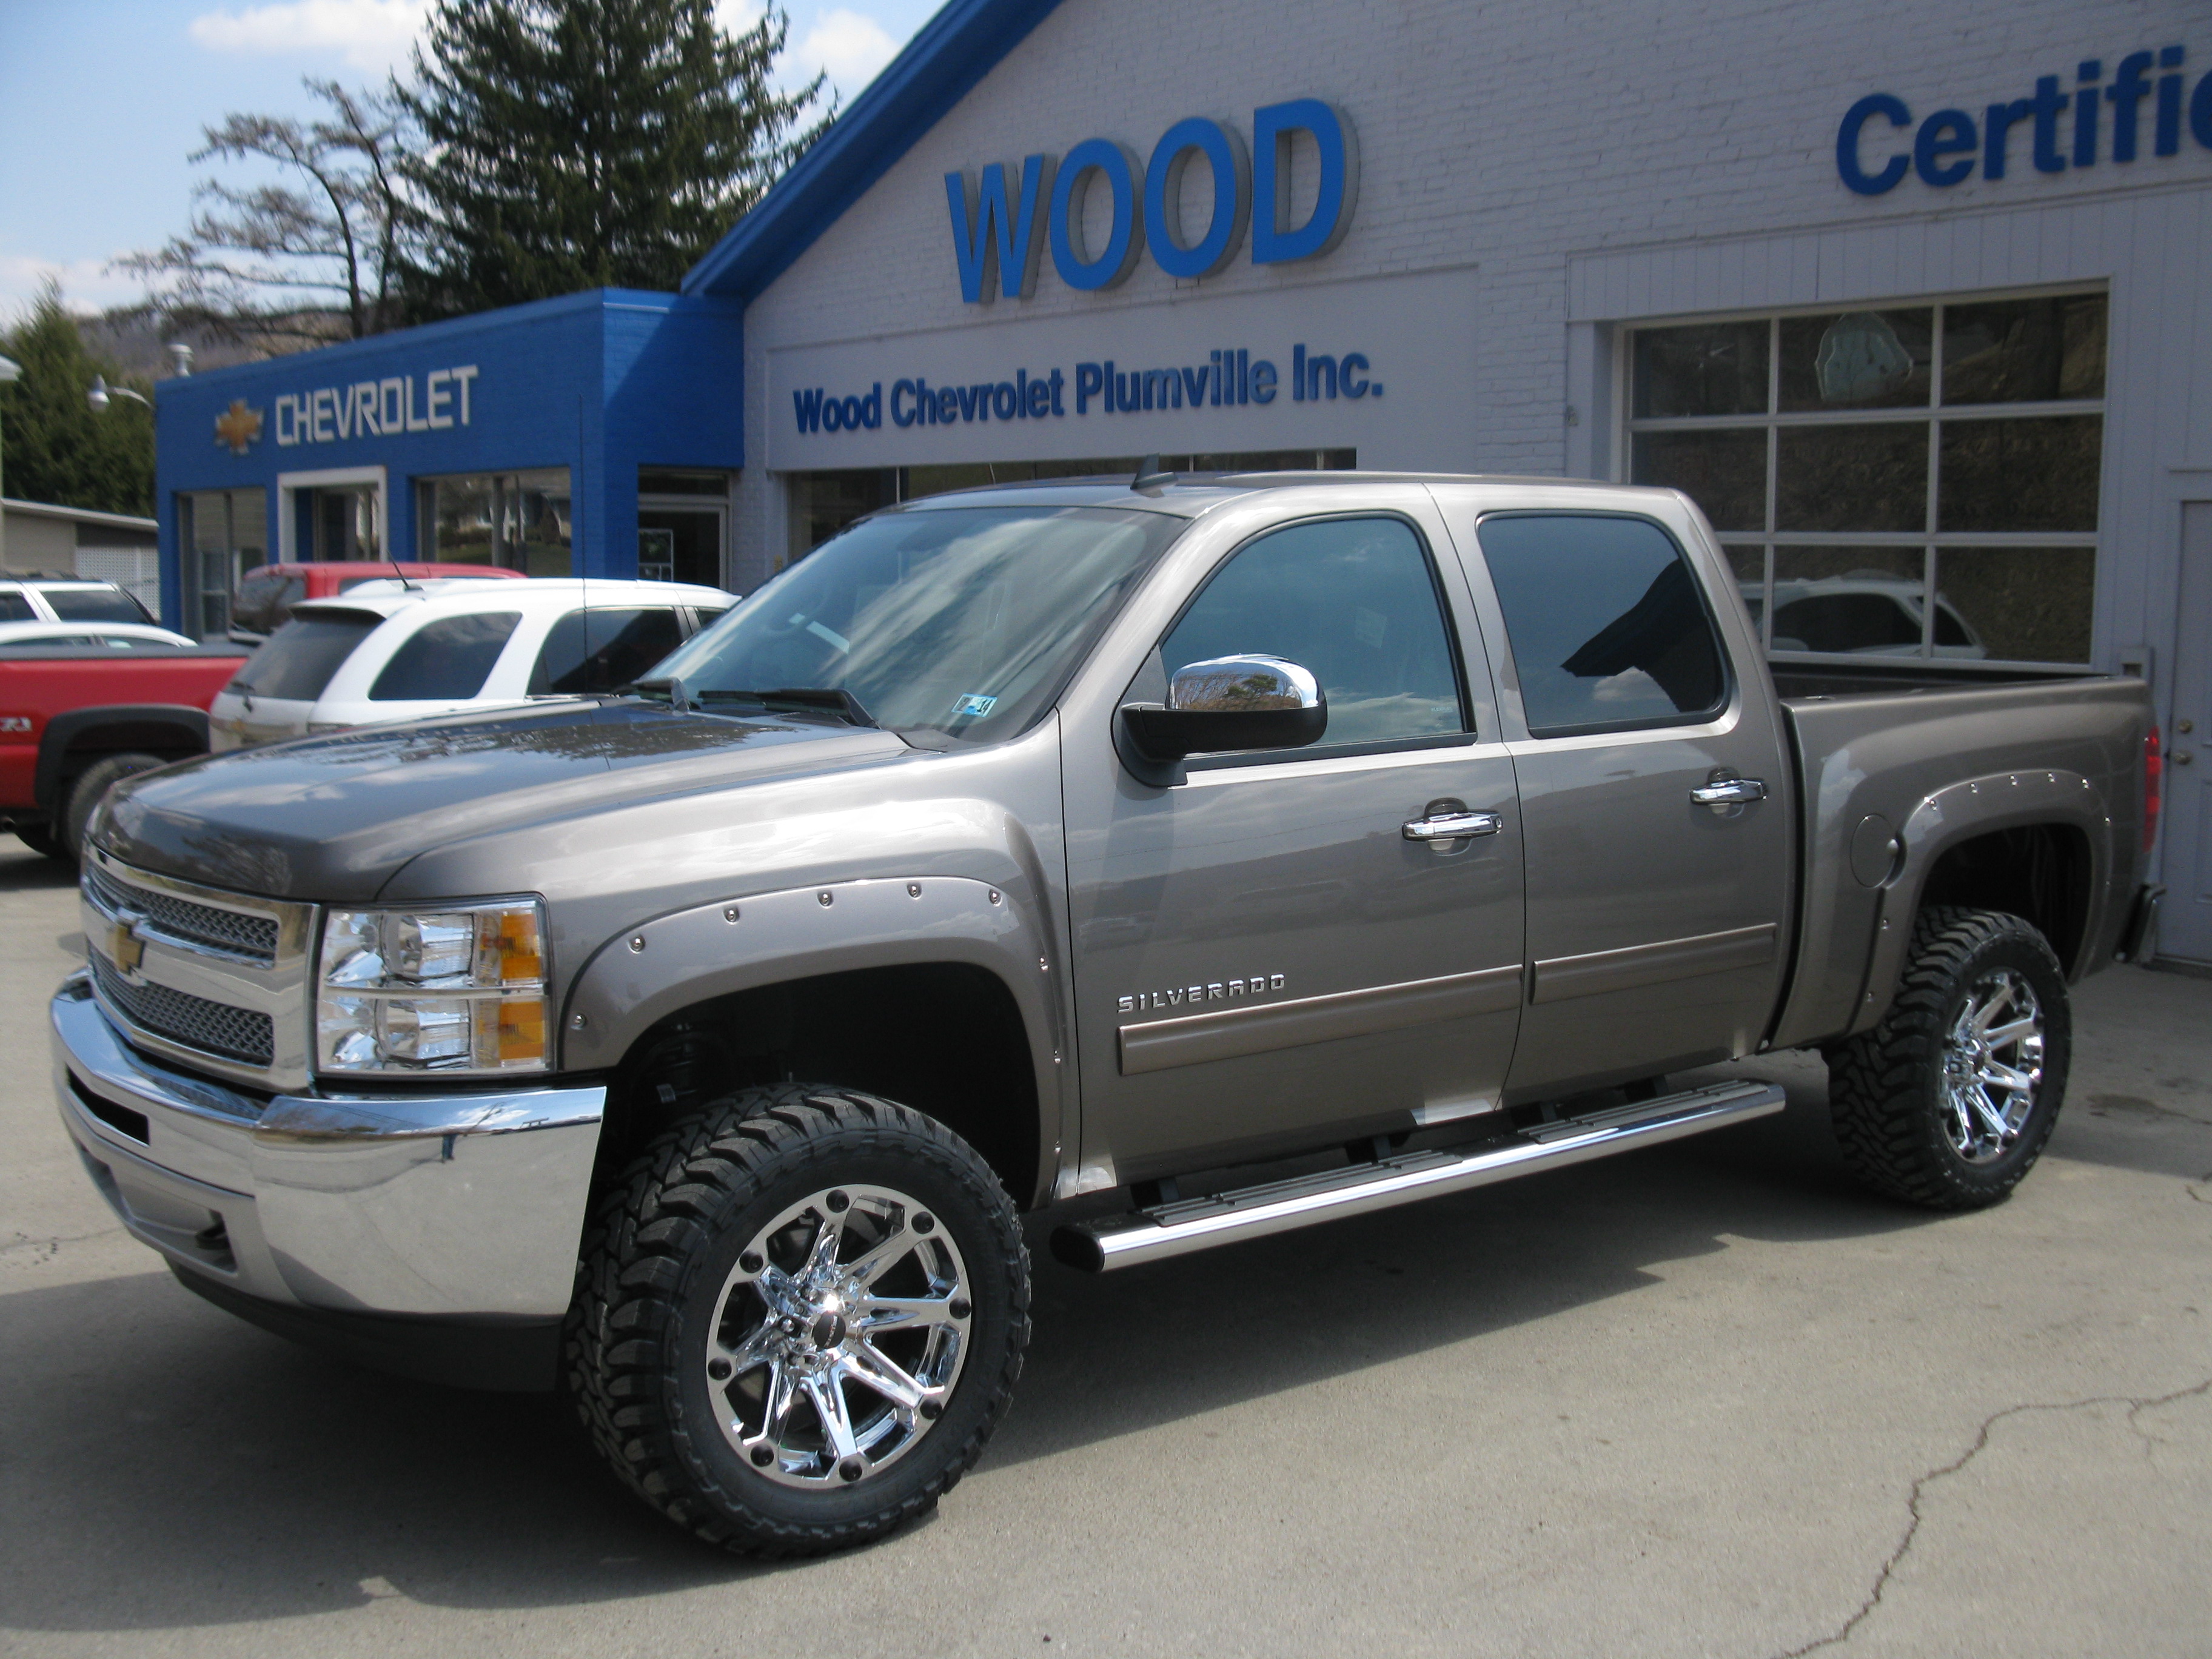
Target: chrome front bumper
[[458, 1205]]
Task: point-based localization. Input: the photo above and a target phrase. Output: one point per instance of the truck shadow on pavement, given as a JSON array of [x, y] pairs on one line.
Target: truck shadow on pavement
[[243, 1479], [26, 872]]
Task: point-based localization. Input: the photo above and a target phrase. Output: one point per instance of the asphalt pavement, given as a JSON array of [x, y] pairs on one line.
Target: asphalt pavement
[[1707, 1399]]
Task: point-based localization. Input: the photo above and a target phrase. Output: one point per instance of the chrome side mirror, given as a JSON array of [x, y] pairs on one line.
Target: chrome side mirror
[[1244, 686], [1226, 704]]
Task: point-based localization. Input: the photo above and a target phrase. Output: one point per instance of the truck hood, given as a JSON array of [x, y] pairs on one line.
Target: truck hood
[[333, 818]]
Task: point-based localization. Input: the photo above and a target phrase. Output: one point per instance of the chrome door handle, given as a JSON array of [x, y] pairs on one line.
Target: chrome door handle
[[1729, 791], [1454, 826]]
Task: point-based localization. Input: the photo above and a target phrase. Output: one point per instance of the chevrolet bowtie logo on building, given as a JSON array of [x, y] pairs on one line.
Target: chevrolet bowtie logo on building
[[123, 946], [237, 426]]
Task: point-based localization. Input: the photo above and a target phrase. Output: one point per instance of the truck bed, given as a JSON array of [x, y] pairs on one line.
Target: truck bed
[[1879, 750]]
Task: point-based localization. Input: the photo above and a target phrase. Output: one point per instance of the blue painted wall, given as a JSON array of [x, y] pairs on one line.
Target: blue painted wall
[[602, 383]]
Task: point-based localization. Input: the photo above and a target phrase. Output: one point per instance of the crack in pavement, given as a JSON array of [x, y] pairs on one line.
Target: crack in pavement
[[2135, 1404], [2127, 1106]]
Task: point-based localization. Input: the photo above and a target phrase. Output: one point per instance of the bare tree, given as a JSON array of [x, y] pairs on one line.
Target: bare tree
[[309, 258]]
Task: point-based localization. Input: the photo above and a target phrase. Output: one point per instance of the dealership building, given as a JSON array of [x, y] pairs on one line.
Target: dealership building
[[1915, 302]]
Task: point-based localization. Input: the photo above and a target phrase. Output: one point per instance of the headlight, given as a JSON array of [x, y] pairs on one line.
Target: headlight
[[461, 989]]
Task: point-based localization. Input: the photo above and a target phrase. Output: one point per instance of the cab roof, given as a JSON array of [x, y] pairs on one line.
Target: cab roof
[[1187, 494]]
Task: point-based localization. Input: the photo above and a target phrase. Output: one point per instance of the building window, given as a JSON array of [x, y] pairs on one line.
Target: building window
[[823, 504], [1915, 481], [519, 520], [221, 534]]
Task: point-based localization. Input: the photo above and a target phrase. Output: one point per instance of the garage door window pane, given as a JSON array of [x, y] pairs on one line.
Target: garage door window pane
[[1723, 472], [1713, 368], [1852, 477], [2011, 351], [1859, 359], [2031, 475], [1605, 620], [2025, 604], [1854, 600], [447, 660]]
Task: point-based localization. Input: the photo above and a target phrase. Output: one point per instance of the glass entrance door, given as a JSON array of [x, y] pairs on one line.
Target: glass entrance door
[[344, 522], [680, 544]]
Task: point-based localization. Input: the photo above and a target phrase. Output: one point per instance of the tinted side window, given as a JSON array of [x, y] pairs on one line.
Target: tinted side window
[[447, 659], [1605, 619], [594, 650], [95, 604], [299, 659], [1354, 601], [14, 607]]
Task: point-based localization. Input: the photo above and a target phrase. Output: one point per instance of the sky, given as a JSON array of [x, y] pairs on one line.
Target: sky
[[101, 101]]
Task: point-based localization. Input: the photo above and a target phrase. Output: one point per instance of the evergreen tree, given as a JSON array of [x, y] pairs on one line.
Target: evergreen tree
[[53, 447], [571, 144]]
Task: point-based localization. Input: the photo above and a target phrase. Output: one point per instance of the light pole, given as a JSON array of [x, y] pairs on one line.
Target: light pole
[[10, 372]]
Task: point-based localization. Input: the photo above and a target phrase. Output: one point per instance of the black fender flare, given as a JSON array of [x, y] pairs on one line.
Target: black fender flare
[[169, 725], [2034, 796]]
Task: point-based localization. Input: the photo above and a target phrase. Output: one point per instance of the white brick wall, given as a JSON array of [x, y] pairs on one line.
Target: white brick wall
[[1596, 162]]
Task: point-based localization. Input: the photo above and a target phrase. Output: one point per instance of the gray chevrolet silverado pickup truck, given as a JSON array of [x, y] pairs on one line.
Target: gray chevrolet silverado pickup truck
[[1186, 859]]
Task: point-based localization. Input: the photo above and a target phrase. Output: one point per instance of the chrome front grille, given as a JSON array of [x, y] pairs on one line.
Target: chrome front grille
[[194, 923], [216, 979], [197, 1022]]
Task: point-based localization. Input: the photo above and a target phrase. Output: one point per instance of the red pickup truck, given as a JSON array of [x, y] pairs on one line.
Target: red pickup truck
[[75, 718]]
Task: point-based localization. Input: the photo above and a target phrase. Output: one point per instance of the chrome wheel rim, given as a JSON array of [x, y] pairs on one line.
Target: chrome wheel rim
[[1992, 1066], [838, 1337]]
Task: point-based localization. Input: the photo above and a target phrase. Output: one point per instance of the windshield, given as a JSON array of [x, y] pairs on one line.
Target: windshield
[[964, 621], [300, 657]]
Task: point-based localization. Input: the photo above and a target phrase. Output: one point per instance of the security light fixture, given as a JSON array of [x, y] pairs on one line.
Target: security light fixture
[[103, 394]]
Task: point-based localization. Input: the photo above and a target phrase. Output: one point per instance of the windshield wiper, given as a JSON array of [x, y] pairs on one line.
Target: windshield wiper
[[800, 699]]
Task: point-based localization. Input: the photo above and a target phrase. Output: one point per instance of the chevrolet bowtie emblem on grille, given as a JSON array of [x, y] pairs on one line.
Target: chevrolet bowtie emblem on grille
[[125, 948]]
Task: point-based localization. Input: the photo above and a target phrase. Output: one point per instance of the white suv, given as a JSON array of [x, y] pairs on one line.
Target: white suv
[[396, 651], [68, 599]]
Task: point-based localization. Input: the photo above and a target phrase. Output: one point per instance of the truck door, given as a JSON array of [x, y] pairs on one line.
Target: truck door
[[1288, 945], [1655, 801]]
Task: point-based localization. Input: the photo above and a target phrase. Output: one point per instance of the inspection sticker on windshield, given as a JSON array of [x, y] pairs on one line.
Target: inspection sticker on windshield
[[974, 703]]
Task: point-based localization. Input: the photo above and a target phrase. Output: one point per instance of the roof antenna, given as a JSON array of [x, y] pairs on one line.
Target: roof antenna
[[1149, 476]]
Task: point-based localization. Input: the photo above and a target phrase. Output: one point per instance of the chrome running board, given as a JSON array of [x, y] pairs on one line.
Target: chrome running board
[[1198, 1223]]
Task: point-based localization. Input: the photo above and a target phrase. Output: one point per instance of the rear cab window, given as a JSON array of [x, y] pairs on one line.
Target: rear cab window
[[588, 653], [445, 660], [1607, 623], [299, 657]]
